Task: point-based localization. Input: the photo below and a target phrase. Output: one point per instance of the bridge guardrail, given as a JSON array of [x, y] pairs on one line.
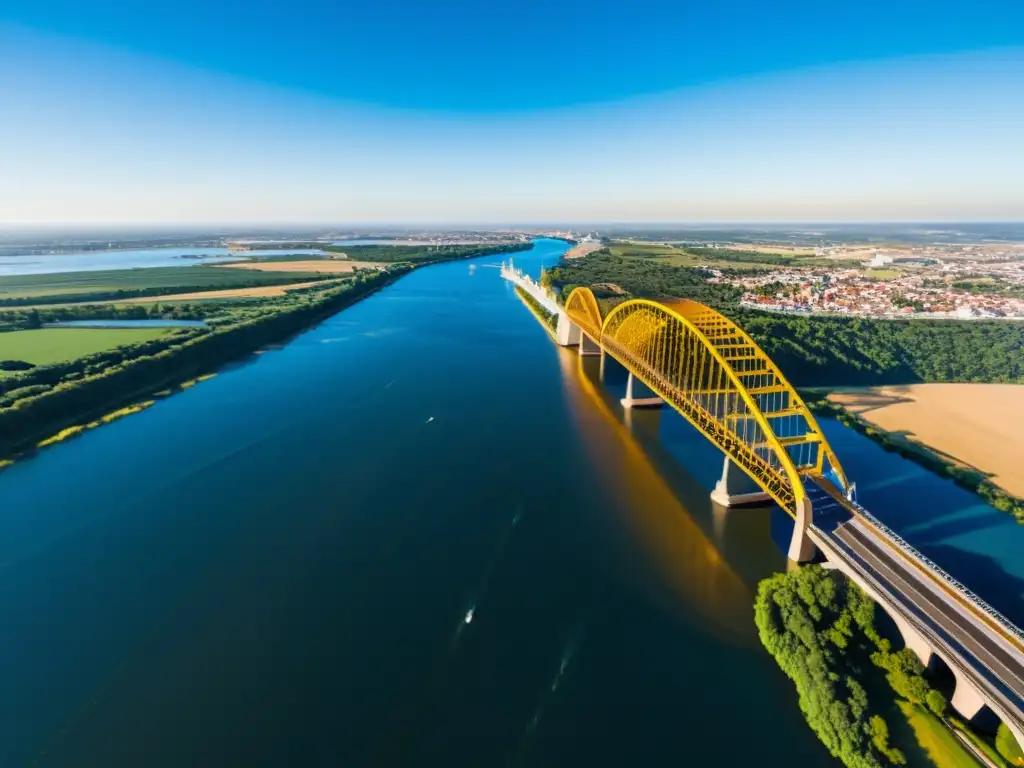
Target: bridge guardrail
[[964, 592]]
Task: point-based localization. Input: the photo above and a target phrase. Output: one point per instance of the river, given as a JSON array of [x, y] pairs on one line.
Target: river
[[276, 566]]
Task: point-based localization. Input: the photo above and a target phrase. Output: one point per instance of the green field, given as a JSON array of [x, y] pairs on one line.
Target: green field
[[881, 274], [720, 258], [939, 743], [53, 345], [678, 257], [85, 286]]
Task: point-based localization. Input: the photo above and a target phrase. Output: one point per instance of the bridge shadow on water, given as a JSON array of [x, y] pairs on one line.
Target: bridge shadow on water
[[680, 461], [971, 540]]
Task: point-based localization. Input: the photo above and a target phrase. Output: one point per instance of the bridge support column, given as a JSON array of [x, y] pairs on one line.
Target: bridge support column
[[637, 402], [801, 548], [567, 332], [967, 700], [912, 639], [588, 346], [736, 488]]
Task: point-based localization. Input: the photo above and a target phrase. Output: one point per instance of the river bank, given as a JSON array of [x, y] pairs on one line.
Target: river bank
[[37, 410], [547, 320], [46, 399], [849, 408]]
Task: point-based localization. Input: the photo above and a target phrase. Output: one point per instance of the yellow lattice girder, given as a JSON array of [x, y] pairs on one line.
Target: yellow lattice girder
[[583, 310], [704, 315], [704, 362], [711, 372]]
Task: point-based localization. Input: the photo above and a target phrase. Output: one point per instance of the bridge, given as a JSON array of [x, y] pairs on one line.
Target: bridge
[[698, 362]]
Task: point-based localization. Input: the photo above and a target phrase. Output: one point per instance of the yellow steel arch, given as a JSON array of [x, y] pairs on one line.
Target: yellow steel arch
[[677, 361], [582, 308], [721, 381], [779, 398]]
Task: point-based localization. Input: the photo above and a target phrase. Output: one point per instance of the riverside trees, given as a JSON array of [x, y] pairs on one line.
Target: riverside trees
[[821, 631]]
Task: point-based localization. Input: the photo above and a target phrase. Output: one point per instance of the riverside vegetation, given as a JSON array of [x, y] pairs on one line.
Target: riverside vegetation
[[550, 320], [869, 705], [37, 401]]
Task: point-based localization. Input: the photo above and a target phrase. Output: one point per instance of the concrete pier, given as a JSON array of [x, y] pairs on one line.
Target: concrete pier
[[735, 488], [638, 402], [588, 347]]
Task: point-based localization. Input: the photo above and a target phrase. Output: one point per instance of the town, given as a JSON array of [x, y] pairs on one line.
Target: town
[[938, 281]]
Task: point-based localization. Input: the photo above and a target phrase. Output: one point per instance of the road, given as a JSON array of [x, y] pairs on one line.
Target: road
[[997, 665]]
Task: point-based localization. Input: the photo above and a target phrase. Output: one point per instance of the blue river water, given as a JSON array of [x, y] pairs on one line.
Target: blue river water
[[417, 534]]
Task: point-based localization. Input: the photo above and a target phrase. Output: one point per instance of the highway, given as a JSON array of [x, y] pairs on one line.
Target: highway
[[991, 663]]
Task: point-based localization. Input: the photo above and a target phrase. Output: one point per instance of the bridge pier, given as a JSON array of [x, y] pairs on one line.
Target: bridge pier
[[912, 639], [637, 402], [567, 332], [736, 488], [588, 347], [967, 700], [801, 548]]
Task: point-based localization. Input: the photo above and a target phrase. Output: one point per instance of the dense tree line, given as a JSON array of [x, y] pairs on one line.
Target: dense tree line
[[821, 350], [844, 351], [638, 277], [48, 398], [424, 254], [821, 631]]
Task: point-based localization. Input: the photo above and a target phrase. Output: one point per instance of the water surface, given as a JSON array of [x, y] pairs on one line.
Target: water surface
[[275, 566]]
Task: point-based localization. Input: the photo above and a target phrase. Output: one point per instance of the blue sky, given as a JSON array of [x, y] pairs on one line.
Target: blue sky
[[534, 111]]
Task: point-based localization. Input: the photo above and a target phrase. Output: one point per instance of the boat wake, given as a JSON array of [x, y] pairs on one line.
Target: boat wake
[[572, 646], [481, 588]]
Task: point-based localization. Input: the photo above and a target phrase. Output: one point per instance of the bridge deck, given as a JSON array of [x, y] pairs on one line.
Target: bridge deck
[[994, 665]]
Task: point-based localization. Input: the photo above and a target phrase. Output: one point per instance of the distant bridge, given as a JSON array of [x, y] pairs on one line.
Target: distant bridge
[[711, 372]]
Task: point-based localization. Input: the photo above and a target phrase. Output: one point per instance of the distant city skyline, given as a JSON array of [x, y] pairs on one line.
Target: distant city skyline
[[100, 129]]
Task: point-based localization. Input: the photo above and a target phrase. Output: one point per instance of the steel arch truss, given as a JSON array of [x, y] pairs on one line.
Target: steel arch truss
[[713, 373], [582, 308]]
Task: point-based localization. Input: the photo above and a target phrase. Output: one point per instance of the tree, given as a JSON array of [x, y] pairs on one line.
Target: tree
[[33, 321], [936, 702], [880, 738], [1007, 746]]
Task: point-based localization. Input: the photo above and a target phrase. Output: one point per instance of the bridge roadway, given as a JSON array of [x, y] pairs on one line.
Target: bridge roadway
[[948, 623]]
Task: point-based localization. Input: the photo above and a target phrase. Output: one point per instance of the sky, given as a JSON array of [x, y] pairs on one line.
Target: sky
[[457, 112]]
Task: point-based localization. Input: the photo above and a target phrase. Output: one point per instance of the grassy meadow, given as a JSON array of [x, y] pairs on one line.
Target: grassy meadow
[[53, 345]]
